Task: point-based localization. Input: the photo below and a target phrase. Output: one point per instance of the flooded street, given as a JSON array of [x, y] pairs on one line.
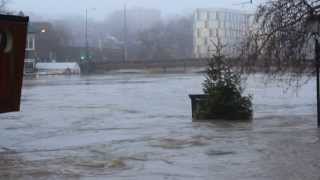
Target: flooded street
[[137, 126]]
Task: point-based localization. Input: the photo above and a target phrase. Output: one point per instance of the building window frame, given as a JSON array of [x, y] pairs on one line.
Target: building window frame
[[30, 43]]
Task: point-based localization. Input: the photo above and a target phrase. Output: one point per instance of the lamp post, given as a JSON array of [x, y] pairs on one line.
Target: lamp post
[[125, 34], [43, 30], [86, 35], [318, 78], [314, 26]]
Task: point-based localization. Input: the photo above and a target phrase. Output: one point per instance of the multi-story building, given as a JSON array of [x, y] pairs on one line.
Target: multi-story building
[[36, 31], [30, 57], [230, 26]]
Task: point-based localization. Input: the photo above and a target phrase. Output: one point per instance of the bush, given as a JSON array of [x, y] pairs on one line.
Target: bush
[[223, 87]]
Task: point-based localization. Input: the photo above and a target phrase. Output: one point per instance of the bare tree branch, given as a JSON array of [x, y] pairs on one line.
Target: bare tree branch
[[280, 41]]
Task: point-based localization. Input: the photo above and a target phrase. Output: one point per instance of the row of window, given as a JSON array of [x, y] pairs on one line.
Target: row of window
[[213, 32], [221, 16], [226, 40], [224, 25], [207, 51]]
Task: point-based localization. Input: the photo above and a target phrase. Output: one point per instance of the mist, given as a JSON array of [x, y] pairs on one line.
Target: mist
[[98, 9]]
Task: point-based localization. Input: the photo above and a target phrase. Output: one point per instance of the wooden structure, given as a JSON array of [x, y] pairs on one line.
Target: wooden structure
[[13, 32]]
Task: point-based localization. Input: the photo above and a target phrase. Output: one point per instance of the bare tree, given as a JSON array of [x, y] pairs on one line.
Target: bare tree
[[170, 39], [280, 41]]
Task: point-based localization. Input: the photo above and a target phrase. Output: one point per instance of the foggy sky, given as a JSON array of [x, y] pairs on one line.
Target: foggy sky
[[101, 8]]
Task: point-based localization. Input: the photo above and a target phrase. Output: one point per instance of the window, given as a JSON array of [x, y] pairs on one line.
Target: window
[[208, 15], [198, 15], [199, 49], [206, 24], [211, 33], [205, 41], [218, 16], [30, 42], [213, 16]]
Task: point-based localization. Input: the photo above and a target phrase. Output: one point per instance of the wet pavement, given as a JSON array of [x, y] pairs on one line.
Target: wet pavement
[[133, 126]]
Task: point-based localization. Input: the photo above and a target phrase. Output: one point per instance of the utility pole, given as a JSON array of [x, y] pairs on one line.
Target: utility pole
[[125, 34], [86, 36], [87, 48], [317, 56]]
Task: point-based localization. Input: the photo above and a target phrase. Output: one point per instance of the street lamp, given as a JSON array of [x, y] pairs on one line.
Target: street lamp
[[125, 34], [313, 24], [125, 30], [43, 30], [86, 34]]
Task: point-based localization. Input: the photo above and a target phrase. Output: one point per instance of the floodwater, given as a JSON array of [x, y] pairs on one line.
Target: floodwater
[[133, 126]]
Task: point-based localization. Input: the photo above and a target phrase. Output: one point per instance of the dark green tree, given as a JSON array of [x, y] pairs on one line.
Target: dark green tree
[[224, 90]]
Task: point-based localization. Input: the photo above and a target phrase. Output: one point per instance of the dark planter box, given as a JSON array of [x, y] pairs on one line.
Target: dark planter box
[[196, 100]]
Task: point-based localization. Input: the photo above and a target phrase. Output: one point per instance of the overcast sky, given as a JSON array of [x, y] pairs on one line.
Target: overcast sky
[[58, 8]]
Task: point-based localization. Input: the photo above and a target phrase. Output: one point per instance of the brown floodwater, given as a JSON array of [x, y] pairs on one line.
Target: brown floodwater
[[138, 126]]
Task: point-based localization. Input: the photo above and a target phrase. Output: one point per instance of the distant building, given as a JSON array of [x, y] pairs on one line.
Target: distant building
[[58, 68], [231, 26], [41, 27], [33, 53], [46, 40], [30, 57]]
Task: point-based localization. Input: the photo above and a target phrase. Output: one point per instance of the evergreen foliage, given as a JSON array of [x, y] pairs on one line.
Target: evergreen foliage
[[223, 87]]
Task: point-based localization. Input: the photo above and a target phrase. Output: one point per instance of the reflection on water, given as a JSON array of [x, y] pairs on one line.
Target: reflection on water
[[140, 127]]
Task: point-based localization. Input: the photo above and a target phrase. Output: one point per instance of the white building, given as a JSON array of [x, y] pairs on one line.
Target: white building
[[231, 26], [30, 59], [58, 68]]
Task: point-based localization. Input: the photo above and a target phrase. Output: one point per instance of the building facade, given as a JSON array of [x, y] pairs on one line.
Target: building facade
[[37, 31], [230, 26], [30, 57]]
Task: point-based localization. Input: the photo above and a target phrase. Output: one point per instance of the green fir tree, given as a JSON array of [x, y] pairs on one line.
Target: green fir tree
[[223, 87]]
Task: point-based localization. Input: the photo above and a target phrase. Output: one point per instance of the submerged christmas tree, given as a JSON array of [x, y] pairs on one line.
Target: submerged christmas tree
[[223, 87]]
